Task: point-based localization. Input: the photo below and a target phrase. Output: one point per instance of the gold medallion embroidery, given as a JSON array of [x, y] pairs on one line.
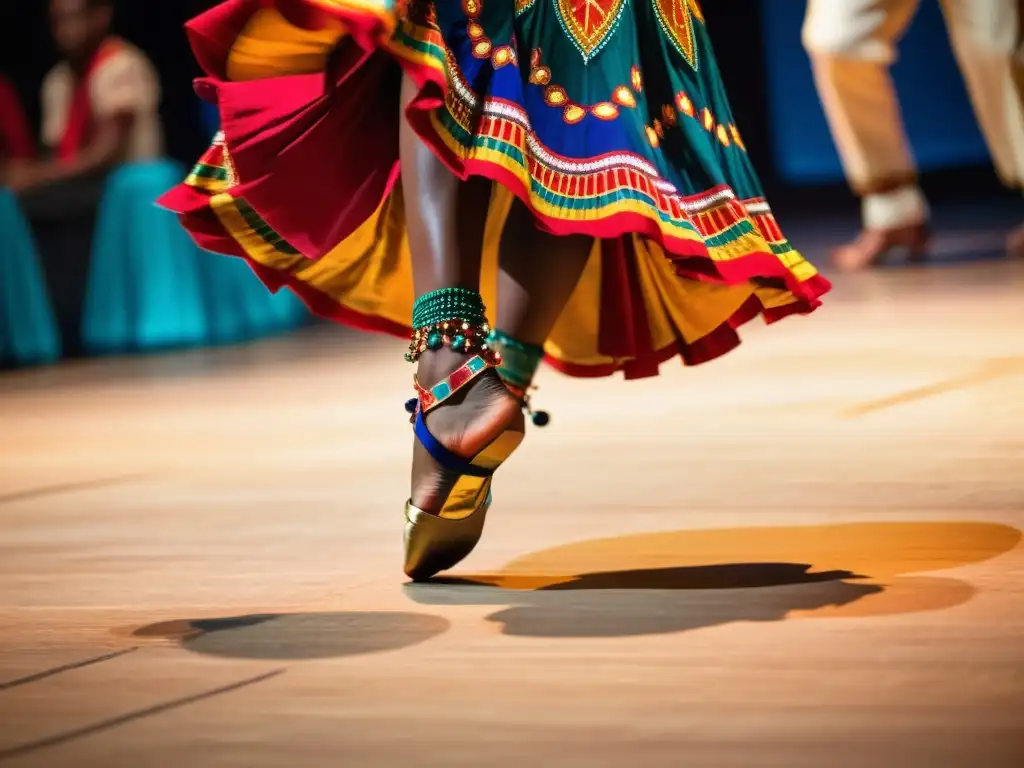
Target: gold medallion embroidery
[[556, 96]]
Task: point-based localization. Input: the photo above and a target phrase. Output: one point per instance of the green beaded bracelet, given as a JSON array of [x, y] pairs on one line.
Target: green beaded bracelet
[[448, 304], [519, 362], [455, 317]]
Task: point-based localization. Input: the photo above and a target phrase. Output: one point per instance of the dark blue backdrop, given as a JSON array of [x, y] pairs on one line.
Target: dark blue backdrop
[[938, 115]]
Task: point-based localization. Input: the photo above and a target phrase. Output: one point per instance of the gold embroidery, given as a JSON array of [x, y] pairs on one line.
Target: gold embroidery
[[636, 78], [605, 110], [589, 23], [556, 95], [482, 46], [540, 76], [736, 137], [623, 96], [727, 134], [676, 18], [684, 104], [573, 114], [229, 165], [502, 56]]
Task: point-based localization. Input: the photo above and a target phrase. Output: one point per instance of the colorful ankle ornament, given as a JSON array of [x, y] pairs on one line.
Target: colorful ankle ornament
[[517, 366], [453, 317]]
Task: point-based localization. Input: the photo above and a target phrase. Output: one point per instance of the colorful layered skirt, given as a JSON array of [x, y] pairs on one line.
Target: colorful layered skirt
[[606, 118]]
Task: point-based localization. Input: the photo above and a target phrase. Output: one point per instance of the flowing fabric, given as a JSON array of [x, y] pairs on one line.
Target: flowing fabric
[[151, 288], [28, 329], [604, 117]]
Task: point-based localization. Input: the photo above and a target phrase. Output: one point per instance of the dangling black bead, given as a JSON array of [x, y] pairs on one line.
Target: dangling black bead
[[410, 405], [540, 418]]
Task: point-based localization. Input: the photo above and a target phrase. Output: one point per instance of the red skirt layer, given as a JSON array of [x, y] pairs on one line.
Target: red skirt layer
[[303, 184]]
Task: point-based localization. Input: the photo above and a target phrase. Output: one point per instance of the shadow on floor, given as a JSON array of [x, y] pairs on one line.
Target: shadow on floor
[[650, 601], [299, 635], [686, 577], [733, 576], [676, 581], [645, 584]]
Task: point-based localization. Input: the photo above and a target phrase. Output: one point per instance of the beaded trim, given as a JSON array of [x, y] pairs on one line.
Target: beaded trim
[[460, 335], [454, 317], [219, 140], [519, 362], [448, 304]]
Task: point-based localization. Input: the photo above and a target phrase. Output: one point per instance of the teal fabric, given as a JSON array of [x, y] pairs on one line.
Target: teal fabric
[[151, 288], [28, 331], [238, 305]]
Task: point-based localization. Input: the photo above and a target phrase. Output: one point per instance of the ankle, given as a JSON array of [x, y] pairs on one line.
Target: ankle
[[518, 360], [450, 325], [434, 365], [518, 365]]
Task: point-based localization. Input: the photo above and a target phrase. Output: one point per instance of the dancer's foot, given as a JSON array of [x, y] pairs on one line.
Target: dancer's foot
[[465, 424], [873, 244]]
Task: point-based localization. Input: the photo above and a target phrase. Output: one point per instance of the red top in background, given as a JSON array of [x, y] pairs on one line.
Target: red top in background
[[16, 141]]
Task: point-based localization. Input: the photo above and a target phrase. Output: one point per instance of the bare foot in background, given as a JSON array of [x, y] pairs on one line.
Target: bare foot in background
[[873, 244]]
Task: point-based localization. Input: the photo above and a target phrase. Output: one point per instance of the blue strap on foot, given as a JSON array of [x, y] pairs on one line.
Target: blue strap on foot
[[442, 455]]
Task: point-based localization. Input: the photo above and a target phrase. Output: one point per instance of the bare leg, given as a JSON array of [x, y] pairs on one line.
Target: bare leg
[[538, 274], [433, 197], [446, 220]]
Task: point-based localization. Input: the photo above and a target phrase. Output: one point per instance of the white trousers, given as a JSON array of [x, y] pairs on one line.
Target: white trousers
[[852, 43]]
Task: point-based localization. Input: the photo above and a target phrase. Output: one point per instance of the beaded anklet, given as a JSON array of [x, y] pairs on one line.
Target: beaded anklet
[[454, 317], [519, 363]]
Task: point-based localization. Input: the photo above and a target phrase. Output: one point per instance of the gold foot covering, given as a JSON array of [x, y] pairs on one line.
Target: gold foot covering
[[436, 542]]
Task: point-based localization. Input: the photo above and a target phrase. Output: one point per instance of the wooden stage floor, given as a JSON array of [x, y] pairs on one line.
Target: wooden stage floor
[[807, 553]]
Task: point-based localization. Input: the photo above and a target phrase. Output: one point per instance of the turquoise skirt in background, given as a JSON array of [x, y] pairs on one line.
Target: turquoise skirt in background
[[28, 331], [151, 288]]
